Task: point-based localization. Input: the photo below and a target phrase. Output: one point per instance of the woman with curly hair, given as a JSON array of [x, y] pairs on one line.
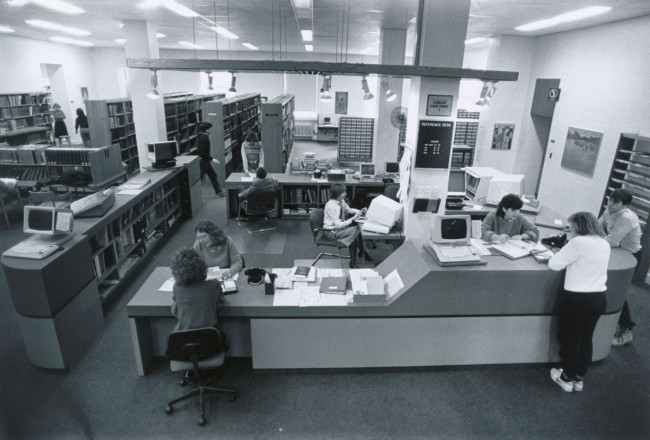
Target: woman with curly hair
[[196, 301], [506, 223], [216, 248]]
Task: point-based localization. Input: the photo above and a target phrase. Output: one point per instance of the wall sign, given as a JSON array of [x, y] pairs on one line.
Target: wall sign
[[554, 94], [341, 103], [439, 105], [434, 144]]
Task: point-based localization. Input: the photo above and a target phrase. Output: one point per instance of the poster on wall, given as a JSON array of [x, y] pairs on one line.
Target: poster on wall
[[502, 136], [581, 150], [439, 105], [341, 103], [434, 144]]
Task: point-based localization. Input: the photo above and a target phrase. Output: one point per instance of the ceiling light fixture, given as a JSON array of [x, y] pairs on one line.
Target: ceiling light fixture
[[367, 96], [564, 18], [188, 44], [55, 5], [6, 30], [325, 94], [209, 80], [172, 5], [233, 83], [57, 27], [67, 40], [250, 46], [487, 92], [307, 35], [120, 40], [390, 95], [309, 47], [153, 93], [225, 32]]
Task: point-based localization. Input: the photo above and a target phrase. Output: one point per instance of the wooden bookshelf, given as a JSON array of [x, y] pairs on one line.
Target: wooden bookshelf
[[103, 164], [278, 132], [232, 119], [183, 116], [25, 118], [111, 122]]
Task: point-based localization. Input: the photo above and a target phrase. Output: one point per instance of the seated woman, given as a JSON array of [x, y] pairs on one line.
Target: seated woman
[[196, 300], [344, 231], [217, 249], [506, 223]]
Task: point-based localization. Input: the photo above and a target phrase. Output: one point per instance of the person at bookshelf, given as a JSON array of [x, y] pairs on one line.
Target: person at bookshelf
[[583, 300], [505, 222], [203, 151], [341, 228], [253, 153], [217, 249], [60, 128], [261, 182], [195, 300], [622, 229], [81, 127]]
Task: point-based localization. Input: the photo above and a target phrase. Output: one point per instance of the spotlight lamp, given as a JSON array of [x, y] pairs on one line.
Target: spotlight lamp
[[325, 94], [367, 96], [233, 83], [487, 92], [209, 80], [390, 95], [153, 93]]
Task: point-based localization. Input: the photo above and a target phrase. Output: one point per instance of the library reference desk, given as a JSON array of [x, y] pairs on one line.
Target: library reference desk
[[503, 312]]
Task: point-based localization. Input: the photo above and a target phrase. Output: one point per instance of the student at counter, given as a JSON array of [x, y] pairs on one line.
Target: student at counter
[[196, 301], [506, 223], [586, 258], [217, 249]]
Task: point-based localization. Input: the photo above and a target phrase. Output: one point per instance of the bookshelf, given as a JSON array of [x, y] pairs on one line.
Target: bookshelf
[[183, 116], [103, 164], [356, 138], [25, 118], [278, 131], [463, 147], [631, 171], [111, 122], [231, 118]]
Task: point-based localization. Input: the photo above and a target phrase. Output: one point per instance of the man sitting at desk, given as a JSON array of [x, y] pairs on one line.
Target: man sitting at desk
[[253, 153], [506, 223], [261, 182]]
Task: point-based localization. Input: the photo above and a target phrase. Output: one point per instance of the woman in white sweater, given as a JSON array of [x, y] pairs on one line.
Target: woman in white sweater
[[585, 257]]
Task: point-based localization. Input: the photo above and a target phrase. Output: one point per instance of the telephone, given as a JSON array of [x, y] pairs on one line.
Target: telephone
[[557, 241], [255, 275]]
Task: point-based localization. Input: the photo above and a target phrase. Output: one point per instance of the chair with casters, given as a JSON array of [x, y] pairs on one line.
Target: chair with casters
[[6, 199], [258, 204], [196, 351], [316, 218], [38, 197]]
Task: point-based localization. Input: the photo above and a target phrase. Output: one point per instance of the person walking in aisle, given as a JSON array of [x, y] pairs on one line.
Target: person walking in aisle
[[60, 128], [622, 229], [583, 300], [81, 126], [203, 151]]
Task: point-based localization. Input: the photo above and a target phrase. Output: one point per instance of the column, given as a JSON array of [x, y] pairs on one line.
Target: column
[[148, 114]]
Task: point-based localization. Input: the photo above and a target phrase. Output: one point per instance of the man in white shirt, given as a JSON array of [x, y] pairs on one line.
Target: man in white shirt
[[623, 230]]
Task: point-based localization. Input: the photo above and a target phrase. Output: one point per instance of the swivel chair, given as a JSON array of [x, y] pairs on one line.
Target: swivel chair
[[316, 218], [6, 199], [259, 203], [196, 351]]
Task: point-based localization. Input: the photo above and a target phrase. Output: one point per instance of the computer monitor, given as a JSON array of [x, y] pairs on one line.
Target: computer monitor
[[327, 120], [47, 220], [499, 186], [477, 180], [392, 168], [367, 170], [384, 211], [163, 152], [451, 229]]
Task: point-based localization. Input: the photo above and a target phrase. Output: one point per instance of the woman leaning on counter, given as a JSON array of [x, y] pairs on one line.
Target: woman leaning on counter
[[506, 223]]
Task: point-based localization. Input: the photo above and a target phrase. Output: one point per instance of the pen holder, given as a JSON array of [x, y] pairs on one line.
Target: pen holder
[[269, 283]]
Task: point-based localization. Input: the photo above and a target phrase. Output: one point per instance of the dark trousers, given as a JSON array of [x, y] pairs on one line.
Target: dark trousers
[[206, 168], [579, 314], [625, 320]]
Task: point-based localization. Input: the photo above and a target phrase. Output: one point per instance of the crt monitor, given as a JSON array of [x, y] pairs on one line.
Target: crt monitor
[[384, 211], [392, 168], [327, 120], [499, 186], [451, 229], [163, 152], [47, 220], [367, 170]]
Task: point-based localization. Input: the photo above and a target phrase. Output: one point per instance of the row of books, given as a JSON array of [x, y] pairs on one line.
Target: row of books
[[68, 155], [23, 99], [118, 121], [24, 154], [30, 173], [119, 108]]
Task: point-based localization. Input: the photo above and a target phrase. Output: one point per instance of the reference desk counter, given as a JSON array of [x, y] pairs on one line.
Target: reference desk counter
[[503, 312]]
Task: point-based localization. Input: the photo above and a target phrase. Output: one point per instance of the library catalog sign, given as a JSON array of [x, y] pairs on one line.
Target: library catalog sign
[[434, 144]]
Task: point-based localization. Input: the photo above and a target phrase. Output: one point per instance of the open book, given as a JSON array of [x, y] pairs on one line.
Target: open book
[[515, 249]]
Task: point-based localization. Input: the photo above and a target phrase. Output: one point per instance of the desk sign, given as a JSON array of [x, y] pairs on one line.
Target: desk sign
[[434, 144], [439, 105]]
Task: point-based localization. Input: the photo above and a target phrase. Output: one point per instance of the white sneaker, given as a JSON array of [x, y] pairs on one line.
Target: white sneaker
[[556, 375], [578, 383]]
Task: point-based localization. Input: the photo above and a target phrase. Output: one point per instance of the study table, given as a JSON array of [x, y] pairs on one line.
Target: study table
[[499, 313]]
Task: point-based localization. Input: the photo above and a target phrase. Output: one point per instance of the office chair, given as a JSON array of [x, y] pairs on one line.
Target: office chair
[[316, 218], [6, 199], [259, 203], [390, 191], [197, 350], [38, 197]]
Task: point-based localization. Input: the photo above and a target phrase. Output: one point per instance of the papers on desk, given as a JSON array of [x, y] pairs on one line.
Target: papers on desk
[[215, 273], [515, 249], [286, 298], [246, 179], [168, 285], [481, 247], [359, 280], [321, 180], [283, 279]]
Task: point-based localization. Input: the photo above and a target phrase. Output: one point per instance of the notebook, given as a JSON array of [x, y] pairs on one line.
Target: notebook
[[333, 285]]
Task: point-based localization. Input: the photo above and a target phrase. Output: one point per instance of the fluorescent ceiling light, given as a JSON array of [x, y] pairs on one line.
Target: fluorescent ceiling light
[[160, 35], [564, 18], [120, 40], [6, 30], [192, 45], [172, 5], [302, 3], [475, 40], [67, 40], [57, 27], [250, 46], [309, 47], [56, 5], [225, 32], [307, 35]]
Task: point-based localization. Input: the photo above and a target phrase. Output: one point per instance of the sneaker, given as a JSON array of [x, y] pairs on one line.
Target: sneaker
[[578, 383], [556, 375], [622, 338]]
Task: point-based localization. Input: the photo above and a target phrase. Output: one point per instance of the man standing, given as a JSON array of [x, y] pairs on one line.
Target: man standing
[[623, 230], [203, 151], [261, 182]]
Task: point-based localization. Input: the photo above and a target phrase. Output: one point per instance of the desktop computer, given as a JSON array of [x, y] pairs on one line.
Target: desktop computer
[[382, 215], [449, 241], [52, 227]]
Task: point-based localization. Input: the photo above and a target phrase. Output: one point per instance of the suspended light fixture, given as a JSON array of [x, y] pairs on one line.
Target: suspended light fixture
[[233, 83], [367, 96], [153, 93], [390, 95], [325, 94], [487, 92], [209, 80]]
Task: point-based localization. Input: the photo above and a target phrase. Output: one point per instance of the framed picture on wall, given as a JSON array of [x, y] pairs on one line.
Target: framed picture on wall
[[502, 136], [581, 150], [439, 105]]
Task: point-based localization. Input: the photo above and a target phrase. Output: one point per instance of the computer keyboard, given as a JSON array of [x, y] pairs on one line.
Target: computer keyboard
[[33, 250], [87, 202], [455, 251]]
